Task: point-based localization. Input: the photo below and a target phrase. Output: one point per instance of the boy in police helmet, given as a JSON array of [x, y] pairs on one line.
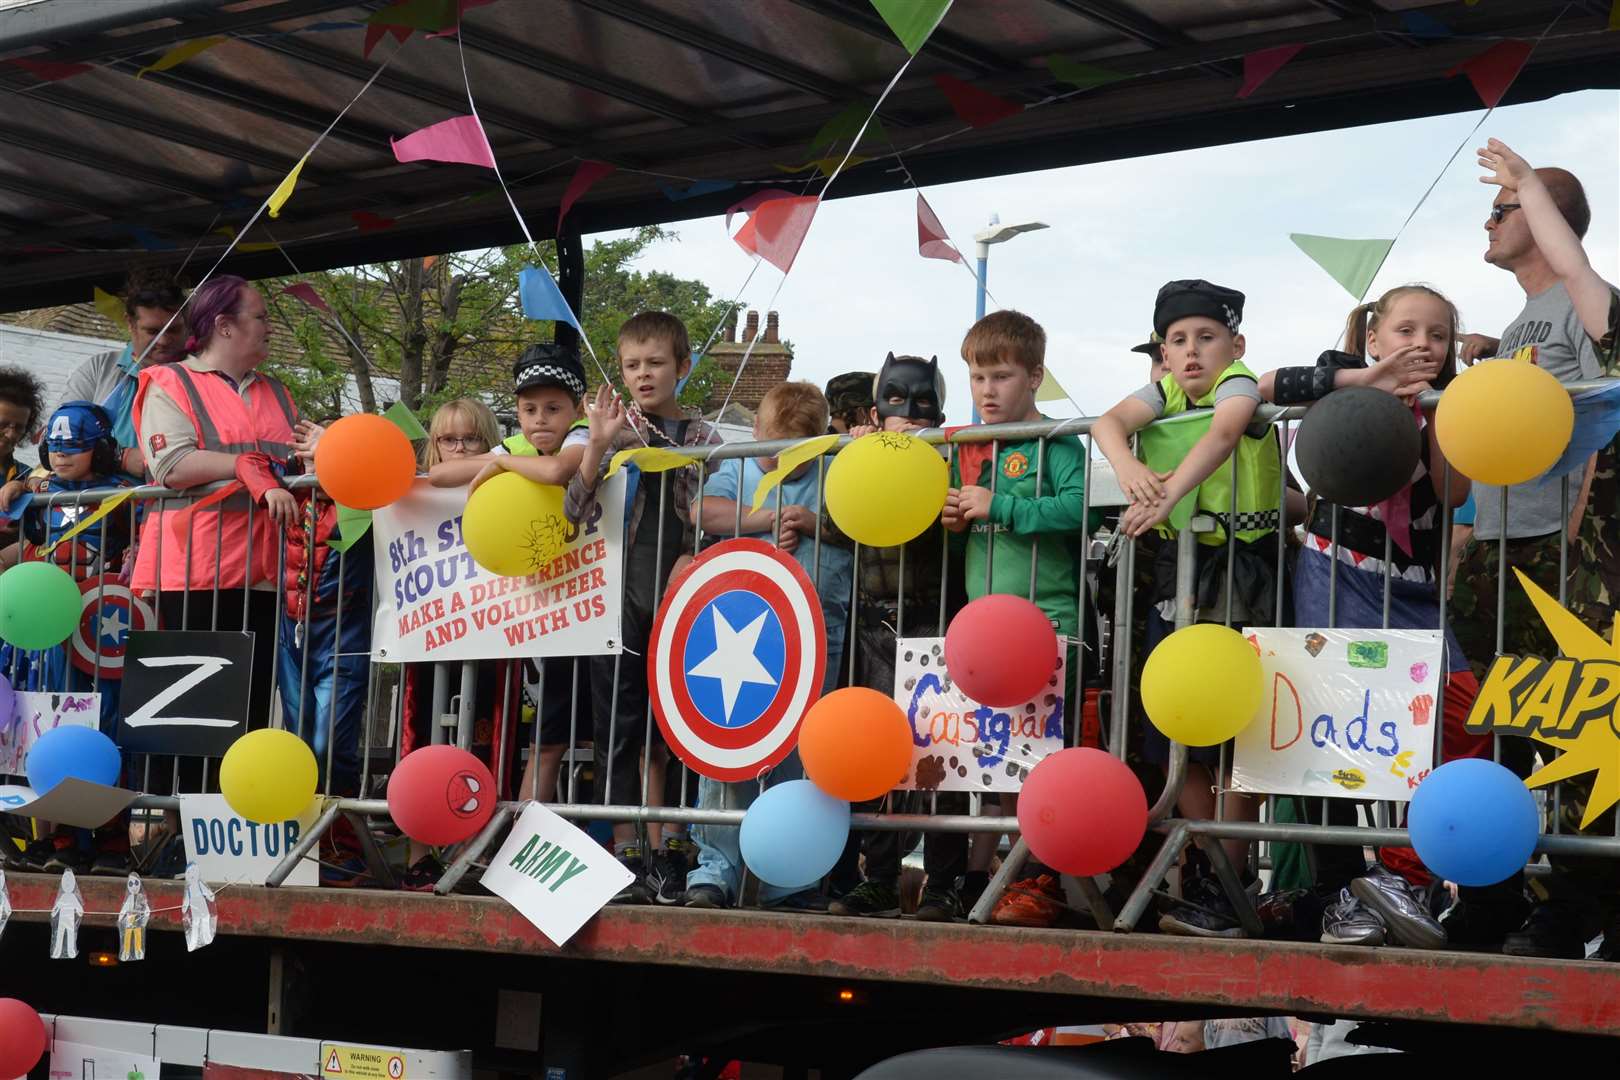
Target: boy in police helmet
[[1201, 467]]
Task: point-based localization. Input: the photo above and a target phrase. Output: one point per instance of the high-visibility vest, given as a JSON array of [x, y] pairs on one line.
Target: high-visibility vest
[[519, 445], [1259, 466], [226, 424]]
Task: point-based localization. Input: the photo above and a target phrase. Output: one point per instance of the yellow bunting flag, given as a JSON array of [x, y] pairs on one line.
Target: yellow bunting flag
[[111, 308], [230, 234], [824, 166], [1050, 389], [649, 459], [107, 506], [284, 190], [181, 53], [789, 460], [1614, 16]]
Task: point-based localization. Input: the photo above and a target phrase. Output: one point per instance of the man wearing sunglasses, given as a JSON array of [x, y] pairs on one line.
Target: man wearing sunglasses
[[1547, 332]]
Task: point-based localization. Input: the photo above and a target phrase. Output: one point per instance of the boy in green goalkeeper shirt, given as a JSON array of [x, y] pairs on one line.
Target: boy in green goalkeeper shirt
[[1020, 501]]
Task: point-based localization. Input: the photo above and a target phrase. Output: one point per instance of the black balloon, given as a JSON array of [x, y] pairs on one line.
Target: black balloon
[[1358, 446]]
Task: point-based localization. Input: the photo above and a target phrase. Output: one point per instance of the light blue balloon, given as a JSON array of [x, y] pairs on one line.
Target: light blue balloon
[[793, 834], [80, 752], [1473, 822]]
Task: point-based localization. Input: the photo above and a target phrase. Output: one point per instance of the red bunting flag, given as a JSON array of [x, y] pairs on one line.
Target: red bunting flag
[[973, 106], [932, 240], [750, 204], [588, 173], [1494, 70], [1262, 64], [777, 229], [370, 222], [51, 70], [306, 293], [459, 140], [375, 32]]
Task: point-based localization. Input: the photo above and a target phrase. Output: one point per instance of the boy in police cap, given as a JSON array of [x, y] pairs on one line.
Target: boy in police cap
[[1193, 468], [548, 383]]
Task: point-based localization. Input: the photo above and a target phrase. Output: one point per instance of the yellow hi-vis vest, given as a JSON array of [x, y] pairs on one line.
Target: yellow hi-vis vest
[[1259, 466]]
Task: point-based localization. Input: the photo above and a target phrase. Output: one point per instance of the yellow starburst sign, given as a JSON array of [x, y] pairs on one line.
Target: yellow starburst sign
[[1571, 703]]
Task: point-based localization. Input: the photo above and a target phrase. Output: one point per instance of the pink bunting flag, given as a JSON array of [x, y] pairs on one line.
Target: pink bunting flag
[[588, 173], [51, 70], [777, 229], [1262, 64], [306, 293], [932, 240], [750, 204], [459, 139], [1494, 70], [978, 108]]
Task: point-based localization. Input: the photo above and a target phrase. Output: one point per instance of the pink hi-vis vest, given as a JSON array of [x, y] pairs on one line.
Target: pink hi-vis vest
[[226, 424]]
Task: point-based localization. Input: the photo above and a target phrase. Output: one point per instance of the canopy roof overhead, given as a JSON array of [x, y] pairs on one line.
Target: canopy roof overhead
[[100, 170]]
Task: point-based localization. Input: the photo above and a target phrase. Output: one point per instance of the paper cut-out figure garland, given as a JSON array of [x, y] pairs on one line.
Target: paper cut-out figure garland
[[66, 914], [5, 904], [133, 916], [197, 913]]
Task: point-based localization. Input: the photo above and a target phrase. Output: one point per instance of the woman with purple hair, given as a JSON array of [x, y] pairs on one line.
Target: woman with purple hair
[[208, 418]]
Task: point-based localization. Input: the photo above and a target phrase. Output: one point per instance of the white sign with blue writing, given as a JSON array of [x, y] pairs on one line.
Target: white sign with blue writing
[[230, 849], [958, 744], [1350, 714]]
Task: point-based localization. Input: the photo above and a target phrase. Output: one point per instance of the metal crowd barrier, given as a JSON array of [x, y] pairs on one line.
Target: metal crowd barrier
[[454, 692]]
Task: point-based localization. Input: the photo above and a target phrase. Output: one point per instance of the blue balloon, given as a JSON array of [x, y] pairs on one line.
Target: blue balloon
[[793, 834], [1473, 822], [81, 752]]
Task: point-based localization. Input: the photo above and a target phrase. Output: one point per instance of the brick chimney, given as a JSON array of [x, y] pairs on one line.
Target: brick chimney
[[771, 335], [751, 327]]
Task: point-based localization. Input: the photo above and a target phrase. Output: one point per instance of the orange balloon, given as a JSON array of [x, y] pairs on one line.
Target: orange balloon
[[364, 461], [855, 744]]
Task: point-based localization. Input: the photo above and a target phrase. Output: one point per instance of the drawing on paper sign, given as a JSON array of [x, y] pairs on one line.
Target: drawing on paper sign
[[960, 745], [35, 715], [1351, 719]]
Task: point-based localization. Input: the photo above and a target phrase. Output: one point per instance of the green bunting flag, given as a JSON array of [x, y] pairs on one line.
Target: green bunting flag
[[912, 20], [1082, 75], [401, 417], [1050, 389], [1352, 263], [846, 124], [352, 525]]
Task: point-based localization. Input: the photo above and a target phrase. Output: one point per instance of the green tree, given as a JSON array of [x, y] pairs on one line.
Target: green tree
[[451, 326]]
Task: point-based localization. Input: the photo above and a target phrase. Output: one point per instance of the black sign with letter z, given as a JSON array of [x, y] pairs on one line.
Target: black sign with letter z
[[185, 691]]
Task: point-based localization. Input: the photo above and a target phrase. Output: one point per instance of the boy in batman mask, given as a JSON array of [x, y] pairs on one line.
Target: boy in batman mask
[[899, 594]]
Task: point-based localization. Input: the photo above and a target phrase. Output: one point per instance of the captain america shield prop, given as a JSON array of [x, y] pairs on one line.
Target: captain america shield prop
[[736, 658], [108, 611]]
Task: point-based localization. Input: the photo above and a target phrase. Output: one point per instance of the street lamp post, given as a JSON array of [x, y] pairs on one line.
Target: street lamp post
[[994, 233]]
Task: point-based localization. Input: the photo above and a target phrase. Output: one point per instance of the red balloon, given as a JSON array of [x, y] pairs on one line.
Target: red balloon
[[1001, 650], [441, 795], [22, 1037], [1082, 811]]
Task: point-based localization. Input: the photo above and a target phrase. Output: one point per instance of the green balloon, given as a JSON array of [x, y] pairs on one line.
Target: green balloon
[[39, 605]]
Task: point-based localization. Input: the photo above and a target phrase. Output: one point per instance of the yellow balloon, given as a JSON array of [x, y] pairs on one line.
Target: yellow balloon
[[514, 526], [886, 488], [1504, 422], [268, 776], [1201, 685]]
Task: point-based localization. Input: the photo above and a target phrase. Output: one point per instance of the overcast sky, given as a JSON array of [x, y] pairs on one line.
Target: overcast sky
[[1119, 230]]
